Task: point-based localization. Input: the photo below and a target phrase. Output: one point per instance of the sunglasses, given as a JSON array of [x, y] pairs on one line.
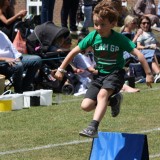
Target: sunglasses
[[145, 23]]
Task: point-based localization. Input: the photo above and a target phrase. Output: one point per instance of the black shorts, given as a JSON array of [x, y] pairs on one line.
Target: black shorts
[[113, 81]]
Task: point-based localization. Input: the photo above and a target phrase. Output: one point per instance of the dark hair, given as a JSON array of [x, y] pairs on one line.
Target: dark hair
[[109, 9], [10, 10], [148, 19]]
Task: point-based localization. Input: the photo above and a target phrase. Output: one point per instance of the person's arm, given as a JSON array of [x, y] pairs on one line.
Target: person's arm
[[139, 46], [5, 59], [61, 70], [10, 61], [151, 46], [138, 7], [138, 33], [142, 60], [9, 21]]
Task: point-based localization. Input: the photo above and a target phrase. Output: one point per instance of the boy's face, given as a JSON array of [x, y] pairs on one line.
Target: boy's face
[[103, 26]]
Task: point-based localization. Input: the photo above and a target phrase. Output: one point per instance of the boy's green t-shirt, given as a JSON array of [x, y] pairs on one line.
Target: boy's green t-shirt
[[108, 52]]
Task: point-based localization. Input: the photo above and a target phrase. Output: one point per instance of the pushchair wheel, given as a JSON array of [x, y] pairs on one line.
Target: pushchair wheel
[[67, 89]]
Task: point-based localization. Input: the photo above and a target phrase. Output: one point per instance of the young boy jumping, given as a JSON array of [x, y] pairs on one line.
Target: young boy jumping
[[108, 46]]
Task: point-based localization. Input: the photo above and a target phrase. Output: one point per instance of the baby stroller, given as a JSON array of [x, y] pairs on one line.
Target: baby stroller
[[39, 42]]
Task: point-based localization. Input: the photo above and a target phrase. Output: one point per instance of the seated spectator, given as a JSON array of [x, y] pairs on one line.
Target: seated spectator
[[7, 17], [147, 43], [13, 64], [129, 30], [147, 8]]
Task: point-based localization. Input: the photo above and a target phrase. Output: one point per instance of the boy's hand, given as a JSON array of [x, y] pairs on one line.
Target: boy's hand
[[53, 72], [58, 75], [95, 72], [149, 80]]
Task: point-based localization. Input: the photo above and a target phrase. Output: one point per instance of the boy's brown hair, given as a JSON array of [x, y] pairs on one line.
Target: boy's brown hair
[[109, 9]]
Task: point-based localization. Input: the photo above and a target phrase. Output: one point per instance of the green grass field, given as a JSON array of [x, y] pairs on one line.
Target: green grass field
[[51, 133]]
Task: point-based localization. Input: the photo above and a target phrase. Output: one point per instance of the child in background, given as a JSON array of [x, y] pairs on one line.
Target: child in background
[[85, 61], [108, 46]]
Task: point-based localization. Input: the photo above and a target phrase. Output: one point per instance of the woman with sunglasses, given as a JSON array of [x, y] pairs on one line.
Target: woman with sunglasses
[[148, 45], [8, 18]]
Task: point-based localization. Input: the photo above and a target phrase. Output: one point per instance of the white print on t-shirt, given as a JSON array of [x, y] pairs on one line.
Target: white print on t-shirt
[[106, 47]]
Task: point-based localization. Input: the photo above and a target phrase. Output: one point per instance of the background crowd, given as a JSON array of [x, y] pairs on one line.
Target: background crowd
[[76, 16]]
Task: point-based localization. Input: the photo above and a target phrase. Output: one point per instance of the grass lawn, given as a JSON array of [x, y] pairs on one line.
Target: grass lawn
[[51, 133]]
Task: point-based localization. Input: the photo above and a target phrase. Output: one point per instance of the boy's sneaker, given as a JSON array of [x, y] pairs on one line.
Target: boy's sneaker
[[115, 103], [157, 78], [90, 132]]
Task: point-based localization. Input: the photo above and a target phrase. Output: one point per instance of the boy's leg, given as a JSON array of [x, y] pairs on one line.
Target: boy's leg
[[88, 104], [117, 81], [101, 89], [102, 99], [91, 131], [115, 103]]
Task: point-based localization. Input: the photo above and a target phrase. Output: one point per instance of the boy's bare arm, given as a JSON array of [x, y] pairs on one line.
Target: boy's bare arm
[[61, 70], [142, 60]]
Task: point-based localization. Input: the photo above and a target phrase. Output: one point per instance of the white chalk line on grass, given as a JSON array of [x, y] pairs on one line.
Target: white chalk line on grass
[[71, 143], [149, 130], [154, 156], [45, 147]]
